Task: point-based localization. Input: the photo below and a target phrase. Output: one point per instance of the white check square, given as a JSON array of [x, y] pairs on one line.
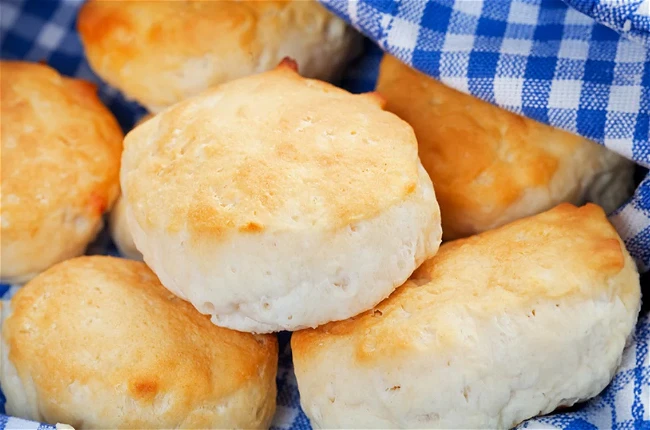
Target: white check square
[[50, 36], [523, 13], [458, 43], [565, 94], [403, 34], [573, 49], [8, 15], [516, 46], [469, 7], [573, 17], [508, 91], [624, 98]]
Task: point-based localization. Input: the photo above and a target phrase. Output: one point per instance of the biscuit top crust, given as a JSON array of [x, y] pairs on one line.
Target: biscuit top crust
[[269, 152]]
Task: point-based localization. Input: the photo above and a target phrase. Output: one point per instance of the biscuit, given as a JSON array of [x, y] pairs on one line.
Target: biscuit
[[276, 202], [491, 166], [493, 330], [60, 167], [162, 52], [97, 342]]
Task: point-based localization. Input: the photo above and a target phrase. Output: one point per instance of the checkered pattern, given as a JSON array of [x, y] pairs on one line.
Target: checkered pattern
[[539, 58]]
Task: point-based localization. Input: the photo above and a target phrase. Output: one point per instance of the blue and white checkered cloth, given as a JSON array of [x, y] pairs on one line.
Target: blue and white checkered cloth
[[580, 65]]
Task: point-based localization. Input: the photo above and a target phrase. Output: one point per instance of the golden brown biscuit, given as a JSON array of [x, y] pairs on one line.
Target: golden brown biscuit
[[160, 52], [60, 167], [491, 166], [97, 342], [493, 330], [276, 202]]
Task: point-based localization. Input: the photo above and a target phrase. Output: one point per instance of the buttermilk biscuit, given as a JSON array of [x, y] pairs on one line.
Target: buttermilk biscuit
[[491, 166], [276, 202], [60, 167], [493, 330], [161, 52], [97, 342]]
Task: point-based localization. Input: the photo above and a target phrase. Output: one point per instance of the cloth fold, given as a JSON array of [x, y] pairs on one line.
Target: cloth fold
[[630, 18]]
